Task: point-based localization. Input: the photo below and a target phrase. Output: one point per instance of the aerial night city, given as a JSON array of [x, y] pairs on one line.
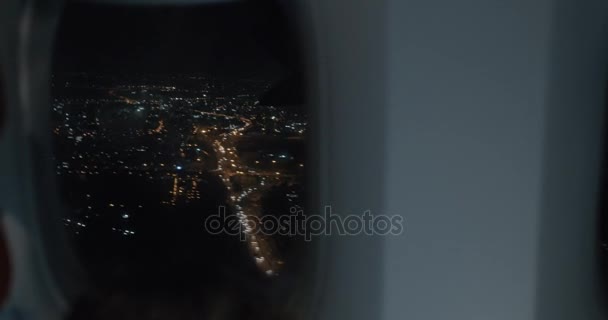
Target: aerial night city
[[179, 141], [152, 138]]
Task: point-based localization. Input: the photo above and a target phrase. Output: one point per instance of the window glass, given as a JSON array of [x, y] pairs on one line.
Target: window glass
[[178, 130]]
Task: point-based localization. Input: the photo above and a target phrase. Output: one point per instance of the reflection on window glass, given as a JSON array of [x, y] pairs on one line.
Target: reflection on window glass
[[178, 131]]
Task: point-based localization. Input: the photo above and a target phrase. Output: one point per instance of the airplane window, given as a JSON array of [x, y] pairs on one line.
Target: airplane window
[[179, 130]]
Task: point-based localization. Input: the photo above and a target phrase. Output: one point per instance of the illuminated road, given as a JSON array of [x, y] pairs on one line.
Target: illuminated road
[[123, 98], [246, 203]]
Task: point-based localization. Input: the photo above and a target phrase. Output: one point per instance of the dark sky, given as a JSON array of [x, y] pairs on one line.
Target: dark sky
[[233, 39]]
